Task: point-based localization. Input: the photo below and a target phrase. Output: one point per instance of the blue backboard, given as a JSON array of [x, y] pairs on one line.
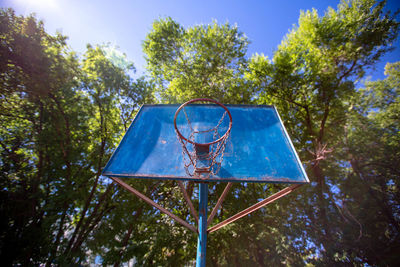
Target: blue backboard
[[258, 150]]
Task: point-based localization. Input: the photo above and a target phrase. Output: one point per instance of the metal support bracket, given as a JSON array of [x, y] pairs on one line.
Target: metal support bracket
[[255, 207], [154, 204], [219, 203], [188, 201]]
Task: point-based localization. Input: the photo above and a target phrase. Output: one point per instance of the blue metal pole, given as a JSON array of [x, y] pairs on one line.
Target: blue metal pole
[[202, 239]]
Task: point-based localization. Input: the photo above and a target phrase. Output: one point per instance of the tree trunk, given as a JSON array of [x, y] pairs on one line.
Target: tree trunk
[[127, 237]]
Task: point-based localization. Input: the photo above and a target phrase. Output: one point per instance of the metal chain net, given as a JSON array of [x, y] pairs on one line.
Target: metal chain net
[[216, 151]]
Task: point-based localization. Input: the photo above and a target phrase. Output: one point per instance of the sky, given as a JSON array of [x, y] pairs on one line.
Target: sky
[[125, 23]]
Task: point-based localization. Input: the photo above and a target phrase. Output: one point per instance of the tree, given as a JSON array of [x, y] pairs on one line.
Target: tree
[[372, 144], [201, 61], [37, 147], [60, 120], [312, 81]]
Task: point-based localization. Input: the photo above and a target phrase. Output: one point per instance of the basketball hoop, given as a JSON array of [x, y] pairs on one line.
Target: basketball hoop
[[203, 159], [260, 151]]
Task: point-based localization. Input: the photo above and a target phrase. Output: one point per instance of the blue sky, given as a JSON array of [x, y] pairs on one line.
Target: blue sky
[[126, 23]]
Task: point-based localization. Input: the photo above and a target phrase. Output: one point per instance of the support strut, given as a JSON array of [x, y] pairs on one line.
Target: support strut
[[255, 207]]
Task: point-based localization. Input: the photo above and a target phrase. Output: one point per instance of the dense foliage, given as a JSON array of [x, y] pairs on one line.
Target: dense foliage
[[202, 61], [62, 115]]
